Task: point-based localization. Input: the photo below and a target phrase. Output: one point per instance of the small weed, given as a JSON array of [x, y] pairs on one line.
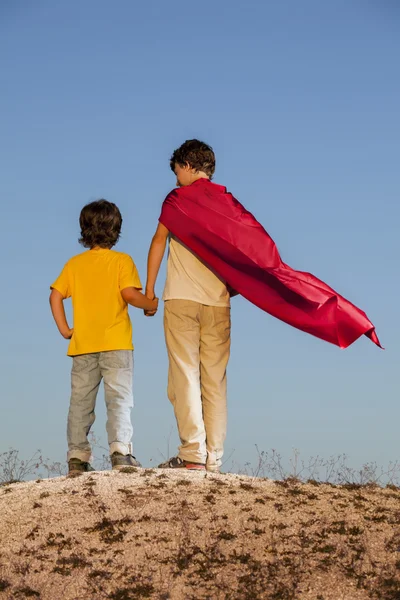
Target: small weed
[[76, 562], [55, 539], [44, 495], [391, 587], [110, 531], [90, 484], [32, 534], [355, 530], [133, 593], [328, 549], [258, 531], [350, 487], [27, 592], [4, 584], [22, 568], [246, 486], [99, 574], [66, 563], [254, 519], [339, 527], [159, 485], [295, 491], [244, 559], [278, 526], [226, 535], [128, 492], [394, 488], [128, 470], [220, 482]]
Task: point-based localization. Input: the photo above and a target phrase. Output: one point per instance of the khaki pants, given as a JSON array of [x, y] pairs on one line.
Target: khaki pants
[[198, 344]]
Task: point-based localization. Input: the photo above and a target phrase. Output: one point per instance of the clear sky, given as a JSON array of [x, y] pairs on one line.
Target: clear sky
[[300, 101]]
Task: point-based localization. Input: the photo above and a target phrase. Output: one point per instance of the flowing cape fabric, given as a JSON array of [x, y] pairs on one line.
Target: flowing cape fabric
[[222, 233]]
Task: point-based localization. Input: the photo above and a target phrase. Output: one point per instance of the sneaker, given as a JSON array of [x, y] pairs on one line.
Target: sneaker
[[119, 461], [76, 465], [179, 463]]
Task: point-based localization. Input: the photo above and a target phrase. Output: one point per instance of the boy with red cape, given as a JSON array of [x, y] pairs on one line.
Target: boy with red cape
[[218, 249]]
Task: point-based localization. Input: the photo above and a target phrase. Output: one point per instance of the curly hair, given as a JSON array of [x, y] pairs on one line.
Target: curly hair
[[197, 155], [101, 224]]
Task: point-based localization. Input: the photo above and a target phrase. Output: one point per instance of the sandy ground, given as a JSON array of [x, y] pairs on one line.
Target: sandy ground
[[173, 535]]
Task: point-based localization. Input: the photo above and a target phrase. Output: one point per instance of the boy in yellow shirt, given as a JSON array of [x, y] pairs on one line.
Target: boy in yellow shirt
[[101, 283]]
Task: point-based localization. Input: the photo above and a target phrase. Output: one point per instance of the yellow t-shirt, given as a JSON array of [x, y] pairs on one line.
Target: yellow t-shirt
[[94, 280]]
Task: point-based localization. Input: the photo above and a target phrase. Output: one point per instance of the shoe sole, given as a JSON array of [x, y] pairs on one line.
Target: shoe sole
[[119, 467], [188, 467]]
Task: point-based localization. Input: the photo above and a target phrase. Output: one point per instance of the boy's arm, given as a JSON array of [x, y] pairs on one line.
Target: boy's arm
[[155, 256], [57, 308], [134, 297]]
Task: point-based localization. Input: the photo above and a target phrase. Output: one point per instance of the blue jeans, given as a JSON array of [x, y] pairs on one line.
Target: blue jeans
[[116, 369]]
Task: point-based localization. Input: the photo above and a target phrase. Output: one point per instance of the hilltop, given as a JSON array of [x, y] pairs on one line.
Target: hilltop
[[192, 536]]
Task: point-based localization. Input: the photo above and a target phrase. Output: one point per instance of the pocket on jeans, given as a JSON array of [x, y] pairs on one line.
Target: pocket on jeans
[[84, 362], [222, 319], [117, 359], [181, 317]]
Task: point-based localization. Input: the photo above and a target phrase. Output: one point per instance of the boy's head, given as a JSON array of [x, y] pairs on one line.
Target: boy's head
[[193, 160], [101, 224]]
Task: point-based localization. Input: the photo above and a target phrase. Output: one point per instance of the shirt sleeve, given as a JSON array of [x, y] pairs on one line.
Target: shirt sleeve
[[128, 274], [62, 283]]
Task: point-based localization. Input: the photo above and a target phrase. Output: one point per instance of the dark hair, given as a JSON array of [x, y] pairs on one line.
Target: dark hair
[[101, 224], [197, 155]]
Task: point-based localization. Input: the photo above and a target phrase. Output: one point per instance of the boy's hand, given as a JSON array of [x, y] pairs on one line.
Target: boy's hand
[[57, 308], [152, 312], [67, 334]]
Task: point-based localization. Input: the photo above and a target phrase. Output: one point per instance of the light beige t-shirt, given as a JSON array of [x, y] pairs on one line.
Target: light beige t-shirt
[[188, 278]]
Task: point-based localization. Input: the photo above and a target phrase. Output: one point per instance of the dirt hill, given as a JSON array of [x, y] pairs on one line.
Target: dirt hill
[[182, 536]]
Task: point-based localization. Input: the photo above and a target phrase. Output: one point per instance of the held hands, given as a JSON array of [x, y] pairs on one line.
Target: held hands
[[150, 312]]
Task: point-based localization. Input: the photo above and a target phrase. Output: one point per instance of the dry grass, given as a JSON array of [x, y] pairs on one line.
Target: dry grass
[[169, 535]]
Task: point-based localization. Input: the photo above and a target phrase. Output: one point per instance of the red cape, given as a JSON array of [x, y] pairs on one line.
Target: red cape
[[216, 227]]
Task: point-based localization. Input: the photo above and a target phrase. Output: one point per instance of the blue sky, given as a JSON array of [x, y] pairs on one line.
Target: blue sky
[[300, 102]]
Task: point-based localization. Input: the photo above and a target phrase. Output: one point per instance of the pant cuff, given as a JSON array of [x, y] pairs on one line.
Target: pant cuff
[[120, 447], [192, 458], [83, 455]]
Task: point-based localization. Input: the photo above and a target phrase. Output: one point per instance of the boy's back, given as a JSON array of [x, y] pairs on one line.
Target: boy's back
[[188, 278], [94, 280], [102, 283]]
